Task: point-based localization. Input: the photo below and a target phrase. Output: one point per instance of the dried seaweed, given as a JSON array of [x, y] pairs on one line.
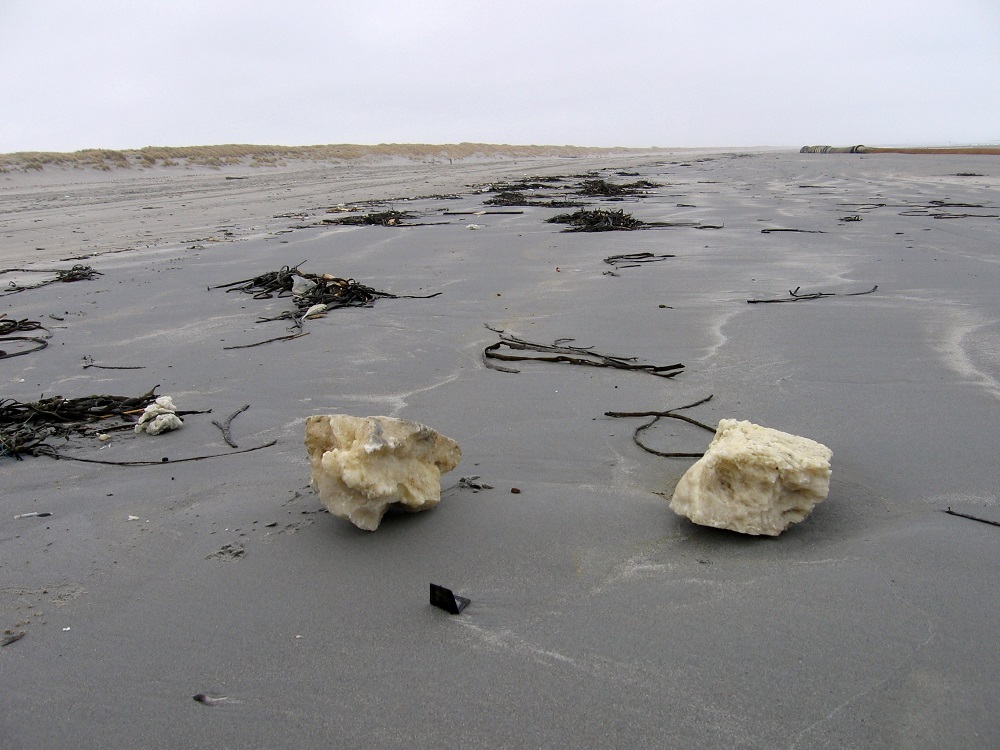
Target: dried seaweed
[[934, 209], [515, 198], [604, 189], [574, 355], [26, 428], [657, 416], [76, 273], [323, 289], [8, 327], [782, 229], [88, 361], [389, 218], [599, 220], [794, 296], [632, 260]]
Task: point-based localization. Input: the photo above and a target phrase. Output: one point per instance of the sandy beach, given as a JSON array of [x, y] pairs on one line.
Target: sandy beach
[[598, 617]]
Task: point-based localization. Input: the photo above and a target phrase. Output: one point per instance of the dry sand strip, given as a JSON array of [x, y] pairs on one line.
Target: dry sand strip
[[213, 603], [53, 207]]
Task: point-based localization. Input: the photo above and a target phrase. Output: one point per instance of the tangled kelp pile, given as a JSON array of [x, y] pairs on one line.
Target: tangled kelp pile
[[599, 220], [76, 273], [309, 290], [27, 428], [517, 198], [598, 188], [9, 326], [390, 218]]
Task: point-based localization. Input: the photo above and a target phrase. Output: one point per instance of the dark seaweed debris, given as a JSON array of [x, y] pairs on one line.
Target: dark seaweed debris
[[76, 273], [598, 220], [574, 355], [516, 198], [389, 218], [320, 289], [26, 428], [632, 260], [794, 296], [657, 416], [9, 327], [604, 189]]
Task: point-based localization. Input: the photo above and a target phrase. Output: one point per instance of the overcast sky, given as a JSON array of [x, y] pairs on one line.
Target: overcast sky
[[129, 73]]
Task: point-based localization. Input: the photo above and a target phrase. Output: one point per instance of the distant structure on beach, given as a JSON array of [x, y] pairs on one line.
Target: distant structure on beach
[[987, 150], [833, 150]]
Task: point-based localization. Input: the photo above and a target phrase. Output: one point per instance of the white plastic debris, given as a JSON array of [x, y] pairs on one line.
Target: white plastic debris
[[300, 285]]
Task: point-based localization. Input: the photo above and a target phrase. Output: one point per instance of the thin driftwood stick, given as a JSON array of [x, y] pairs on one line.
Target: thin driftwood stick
[[225, 426]]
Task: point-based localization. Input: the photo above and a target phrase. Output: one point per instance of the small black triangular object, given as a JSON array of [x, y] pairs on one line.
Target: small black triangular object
[[447, 600]]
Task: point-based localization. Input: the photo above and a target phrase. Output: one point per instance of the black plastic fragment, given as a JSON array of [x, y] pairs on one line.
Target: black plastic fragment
[[447, 600]]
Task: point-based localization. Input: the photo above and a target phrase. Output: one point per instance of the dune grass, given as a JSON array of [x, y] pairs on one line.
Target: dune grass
[[264, 156]]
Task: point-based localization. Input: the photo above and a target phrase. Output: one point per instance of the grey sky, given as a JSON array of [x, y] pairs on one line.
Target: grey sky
[[131, 73]]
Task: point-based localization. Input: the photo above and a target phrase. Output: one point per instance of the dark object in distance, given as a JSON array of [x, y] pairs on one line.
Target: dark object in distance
[[208, 700], [12, 637], [447, 600]]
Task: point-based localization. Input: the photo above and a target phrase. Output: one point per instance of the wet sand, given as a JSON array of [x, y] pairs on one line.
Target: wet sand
[[598, 617]]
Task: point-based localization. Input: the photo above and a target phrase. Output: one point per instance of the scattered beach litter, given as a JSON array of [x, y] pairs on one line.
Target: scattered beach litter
[[448, 600], [33, 514], [574, 355], [794, 296]]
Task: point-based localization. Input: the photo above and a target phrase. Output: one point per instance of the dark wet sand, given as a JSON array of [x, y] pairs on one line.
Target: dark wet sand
[[598, 617]]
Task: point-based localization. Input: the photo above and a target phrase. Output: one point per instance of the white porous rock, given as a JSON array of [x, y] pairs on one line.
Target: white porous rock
[[754, 480], [159, 417], [362, 465]]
